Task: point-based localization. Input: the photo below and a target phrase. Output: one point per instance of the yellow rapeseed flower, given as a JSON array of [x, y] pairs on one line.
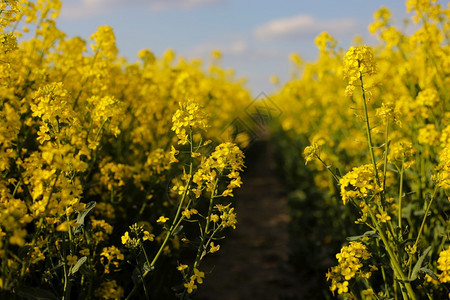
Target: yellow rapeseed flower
[[162, 220], [214, 248], [358, 61], [444, 266], [71, 260], [125, 238], [190, 286]]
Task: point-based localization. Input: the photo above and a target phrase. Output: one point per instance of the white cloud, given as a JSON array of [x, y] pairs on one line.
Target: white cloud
[[86, 8], [89, 8], [300, 26], [159, 5], [97, 3]]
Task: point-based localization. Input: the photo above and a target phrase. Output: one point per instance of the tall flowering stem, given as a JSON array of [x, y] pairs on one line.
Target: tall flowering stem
[[184, 120], [368, 131], [419, 235], [395, 264], [359, 61], [400, 194]]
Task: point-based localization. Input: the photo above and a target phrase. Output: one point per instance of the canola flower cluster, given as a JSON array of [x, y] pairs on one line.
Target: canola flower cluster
[[375, 121], [350, 260], [186, 117], [442, 178], [358, 61], [226, 157], [444, 266], [92, 147], [360, 183]]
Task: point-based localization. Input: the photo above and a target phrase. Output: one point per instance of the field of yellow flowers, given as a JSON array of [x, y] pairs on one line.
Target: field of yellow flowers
[[117, 177], [111, 186], [374, 127]]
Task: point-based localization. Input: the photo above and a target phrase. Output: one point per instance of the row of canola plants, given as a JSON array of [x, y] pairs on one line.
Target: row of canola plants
[[117, 176], [110, 186], [376, 125]]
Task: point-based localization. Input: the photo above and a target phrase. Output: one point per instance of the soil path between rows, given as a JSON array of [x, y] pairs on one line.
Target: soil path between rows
[[253, 260]]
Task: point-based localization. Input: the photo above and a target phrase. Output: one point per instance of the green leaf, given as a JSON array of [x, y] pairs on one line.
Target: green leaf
[[32, 293], [82, 214], [178, 230], [371, 233], [429, 272], [79, 263], [57, 266], [418, 265]]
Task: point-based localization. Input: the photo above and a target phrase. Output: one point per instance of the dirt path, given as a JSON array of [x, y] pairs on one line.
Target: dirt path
[[253, 260]]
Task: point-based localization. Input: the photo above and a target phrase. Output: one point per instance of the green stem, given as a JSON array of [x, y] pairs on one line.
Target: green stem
[[211, 202], [180, 205], [100, 130], [200, 250], [142, 279], [16, 188], [422, 225], [70, 236], [336, 177], [368, 131], [383, 273], [386, 152], [394, 262], [206, 230], [145, 253], [65, 296], [198, 258], [425, 216], [395, 283], [174, 223], [400, 196], [172, 228]]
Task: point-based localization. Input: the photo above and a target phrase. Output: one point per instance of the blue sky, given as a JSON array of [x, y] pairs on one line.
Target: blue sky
[[255, 37]]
